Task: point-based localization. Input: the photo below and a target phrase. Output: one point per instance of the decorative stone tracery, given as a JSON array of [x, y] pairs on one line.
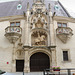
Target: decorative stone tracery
[[39, 21]]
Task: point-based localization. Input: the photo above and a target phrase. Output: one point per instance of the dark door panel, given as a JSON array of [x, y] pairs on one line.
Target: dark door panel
[[39, 61], [19, 65]]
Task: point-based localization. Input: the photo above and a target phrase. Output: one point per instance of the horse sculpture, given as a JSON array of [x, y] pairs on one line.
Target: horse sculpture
[[40, 40]]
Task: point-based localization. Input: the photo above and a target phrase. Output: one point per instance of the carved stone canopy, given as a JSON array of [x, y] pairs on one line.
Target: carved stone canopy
[[20, 46], [39, 21]]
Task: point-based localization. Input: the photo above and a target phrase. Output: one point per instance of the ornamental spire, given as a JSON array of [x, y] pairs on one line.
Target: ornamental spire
[[33, 1], [43, 1], [28, 5], [49, 6]]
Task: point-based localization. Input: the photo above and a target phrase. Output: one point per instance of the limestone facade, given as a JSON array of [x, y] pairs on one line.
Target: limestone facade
[[38, 35]]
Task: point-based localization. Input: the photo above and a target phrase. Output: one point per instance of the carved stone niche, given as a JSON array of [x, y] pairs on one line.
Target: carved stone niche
[[39, 38], [20, 54], [20, 51]]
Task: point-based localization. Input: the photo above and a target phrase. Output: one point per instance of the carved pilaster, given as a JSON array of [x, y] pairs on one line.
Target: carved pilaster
[[26, 58], [51, 29], [27, 26], [13, 59], [54, 63]]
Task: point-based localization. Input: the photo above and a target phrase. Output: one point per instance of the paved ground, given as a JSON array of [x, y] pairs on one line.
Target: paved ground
[[20, 73]]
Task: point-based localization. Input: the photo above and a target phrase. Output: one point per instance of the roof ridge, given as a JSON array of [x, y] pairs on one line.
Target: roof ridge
[[64, 9], [7, 2], [10, 12]]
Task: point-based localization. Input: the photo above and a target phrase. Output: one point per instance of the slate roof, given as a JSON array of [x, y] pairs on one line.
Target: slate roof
[[10, 8]]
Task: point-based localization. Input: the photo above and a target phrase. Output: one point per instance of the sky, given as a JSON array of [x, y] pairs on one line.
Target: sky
[[68, 4]]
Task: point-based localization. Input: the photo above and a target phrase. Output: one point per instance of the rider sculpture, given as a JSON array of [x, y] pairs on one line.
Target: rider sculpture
[[40, 40]]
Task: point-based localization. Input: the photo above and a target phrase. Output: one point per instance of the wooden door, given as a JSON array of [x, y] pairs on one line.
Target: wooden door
[[19, 65], [39, 61]]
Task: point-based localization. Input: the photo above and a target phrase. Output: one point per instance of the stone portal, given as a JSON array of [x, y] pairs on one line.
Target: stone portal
[[39, 61]]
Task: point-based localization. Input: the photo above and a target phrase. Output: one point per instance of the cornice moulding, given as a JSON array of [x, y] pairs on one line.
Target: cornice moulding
[[61, 18], [10, 18]]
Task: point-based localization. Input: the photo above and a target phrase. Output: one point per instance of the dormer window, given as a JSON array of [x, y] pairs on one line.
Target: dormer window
[[19, 6], [62, 24], [15, 24]]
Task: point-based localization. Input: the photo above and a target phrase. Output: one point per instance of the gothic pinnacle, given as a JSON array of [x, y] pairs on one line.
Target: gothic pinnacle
[[28, 6], [49, 6]]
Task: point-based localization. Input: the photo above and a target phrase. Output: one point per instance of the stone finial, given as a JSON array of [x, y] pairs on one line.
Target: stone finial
[[28, 5], [49, 6], [43, 1]]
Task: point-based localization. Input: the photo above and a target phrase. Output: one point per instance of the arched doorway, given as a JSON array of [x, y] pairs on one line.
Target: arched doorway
[[39, 61]]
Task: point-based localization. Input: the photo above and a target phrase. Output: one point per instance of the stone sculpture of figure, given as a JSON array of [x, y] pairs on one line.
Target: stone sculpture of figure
[[39, 24], [37, 40], [40, 40]]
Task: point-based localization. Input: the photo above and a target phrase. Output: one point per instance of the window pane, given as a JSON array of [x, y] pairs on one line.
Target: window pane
[[64, 25], [59, 24], [65, 55], [17, 23], [12, 24]]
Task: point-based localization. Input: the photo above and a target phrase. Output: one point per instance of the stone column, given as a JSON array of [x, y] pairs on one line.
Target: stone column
[[26, 59], [13, 59], [27, 26], [51, 28], [54, 62]]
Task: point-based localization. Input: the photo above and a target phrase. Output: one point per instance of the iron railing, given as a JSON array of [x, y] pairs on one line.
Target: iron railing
[[67, 71]]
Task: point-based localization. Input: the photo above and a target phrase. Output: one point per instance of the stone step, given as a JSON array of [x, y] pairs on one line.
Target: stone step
[[21, 73]]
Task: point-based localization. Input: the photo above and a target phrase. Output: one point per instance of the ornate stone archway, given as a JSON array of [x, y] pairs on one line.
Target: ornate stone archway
[[32, 50], [39, 61], [41, 50]]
